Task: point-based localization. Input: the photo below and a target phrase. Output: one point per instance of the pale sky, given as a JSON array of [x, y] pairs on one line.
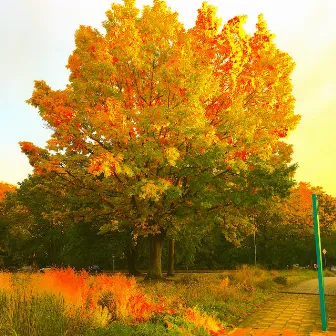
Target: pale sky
[[38, 37]]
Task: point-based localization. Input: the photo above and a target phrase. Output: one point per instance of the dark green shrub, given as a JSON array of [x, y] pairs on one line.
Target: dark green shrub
[[281, 280], [328, 273]]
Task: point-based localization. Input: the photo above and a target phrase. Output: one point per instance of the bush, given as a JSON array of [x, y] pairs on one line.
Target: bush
[[267, 284], [328, 273], [281, 280], [249, 276]]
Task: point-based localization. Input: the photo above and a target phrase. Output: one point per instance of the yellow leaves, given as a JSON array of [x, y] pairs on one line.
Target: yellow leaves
[[41, 89], [108, 227], [128, 171], [53, 105], [224, 284], [241, 30], [211, 137], [74, 65], [108, 164], [154, 189], [100, 317], [159, 126], [121, 29], [211, 324], [206, 21], [172, 154], [262, 28]]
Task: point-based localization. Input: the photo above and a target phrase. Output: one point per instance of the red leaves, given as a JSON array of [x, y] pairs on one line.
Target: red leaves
[[235, 20], [241, 154], [227, 66], [68, 114], [269, 86], [133, 131], [164, 141], [183, 91], [27, 146], [141, 308], [115, 60], [281, 133]]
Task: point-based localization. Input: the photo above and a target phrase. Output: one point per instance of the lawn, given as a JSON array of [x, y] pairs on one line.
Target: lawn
[[65, 302]]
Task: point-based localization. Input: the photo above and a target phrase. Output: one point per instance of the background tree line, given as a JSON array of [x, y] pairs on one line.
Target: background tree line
[[284, 235]]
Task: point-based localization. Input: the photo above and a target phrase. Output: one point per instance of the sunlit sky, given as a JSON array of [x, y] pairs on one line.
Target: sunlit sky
[[38, 36]]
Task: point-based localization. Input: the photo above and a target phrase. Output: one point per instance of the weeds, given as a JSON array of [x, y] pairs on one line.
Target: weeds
[[63, 302]]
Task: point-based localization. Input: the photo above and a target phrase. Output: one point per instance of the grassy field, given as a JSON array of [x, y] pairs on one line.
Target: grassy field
[[65, 302]]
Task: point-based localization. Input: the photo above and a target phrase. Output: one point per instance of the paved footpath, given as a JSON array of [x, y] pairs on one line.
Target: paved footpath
[[295, 312]]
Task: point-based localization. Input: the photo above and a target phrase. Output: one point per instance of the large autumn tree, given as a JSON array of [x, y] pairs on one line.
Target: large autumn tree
[[159, 123]]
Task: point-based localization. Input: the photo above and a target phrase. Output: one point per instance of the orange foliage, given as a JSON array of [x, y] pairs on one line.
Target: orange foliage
[[209, 323], [148, 64], [6, 187], [6, 281], [297, 209], [86, 293]]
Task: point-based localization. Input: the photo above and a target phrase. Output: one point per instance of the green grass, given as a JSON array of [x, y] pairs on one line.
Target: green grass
[[246, 290], [41, 315], [295, 276]]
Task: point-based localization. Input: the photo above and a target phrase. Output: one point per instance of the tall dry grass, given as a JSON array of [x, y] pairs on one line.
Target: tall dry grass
[[64, 302]]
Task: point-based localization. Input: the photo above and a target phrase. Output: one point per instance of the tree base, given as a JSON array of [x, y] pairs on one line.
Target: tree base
[[158, 279], [150, 277], [135, 273]]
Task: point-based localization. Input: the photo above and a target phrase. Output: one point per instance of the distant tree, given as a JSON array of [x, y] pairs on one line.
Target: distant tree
[[6, 188]]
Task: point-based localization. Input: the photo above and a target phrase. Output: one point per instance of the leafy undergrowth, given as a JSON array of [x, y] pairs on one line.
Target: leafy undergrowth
[[64, 302], [230, 296]]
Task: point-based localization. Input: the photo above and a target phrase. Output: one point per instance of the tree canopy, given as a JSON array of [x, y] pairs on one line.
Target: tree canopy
[[166, 127]]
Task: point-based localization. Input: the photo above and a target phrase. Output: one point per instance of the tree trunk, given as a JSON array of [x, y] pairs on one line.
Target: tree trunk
[[132, 255], [171, 254], [155, 253]]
